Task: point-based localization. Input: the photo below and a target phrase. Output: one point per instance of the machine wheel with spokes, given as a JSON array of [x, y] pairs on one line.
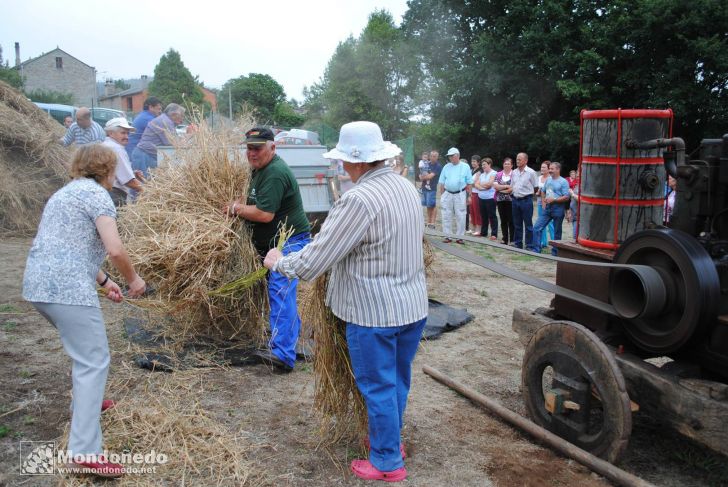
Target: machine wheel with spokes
[[573, 387]]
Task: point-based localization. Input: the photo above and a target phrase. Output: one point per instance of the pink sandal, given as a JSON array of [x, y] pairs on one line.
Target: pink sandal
[[401, 447], [366, 471]]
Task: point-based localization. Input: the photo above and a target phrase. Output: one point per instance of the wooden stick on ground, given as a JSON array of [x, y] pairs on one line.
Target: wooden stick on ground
[[598, 465]]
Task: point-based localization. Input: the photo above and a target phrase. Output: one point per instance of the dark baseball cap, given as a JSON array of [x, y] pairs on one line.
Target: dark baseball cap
[[258, 135]]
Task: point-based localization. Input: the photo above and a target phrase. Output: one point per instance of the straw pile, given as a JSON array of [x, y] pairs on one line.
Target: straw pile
[[336, 397], [33, 165], [163, 414], [184, 247]]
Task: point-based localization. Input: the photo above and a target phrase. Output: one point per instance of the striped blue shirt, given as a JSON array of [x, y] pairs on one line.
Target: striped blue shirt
[[81, 136], [372, 242]]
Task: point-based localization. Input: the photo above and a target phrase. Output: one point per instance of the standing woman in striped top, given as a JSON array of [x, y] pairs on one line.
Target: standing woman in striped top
[[372, 242]]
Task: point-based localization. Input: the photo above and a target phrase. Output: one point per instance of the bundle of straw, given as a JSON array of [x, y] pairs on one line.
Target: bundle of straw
[[163, 414], [33, 164], [182, 244], [336, 397]]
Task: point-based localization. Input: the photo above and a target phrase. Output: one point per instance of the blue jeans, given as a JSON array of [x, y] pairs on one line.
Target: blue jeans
[[285, 323], [523, 219], [429, 198], [544, 238], [381, 359], [141, 161], [553, 213]]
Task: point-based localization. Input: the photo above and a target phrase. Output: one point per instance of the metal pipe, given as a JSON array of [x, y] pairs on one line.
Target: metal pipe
[[676, 142], [598, 465]]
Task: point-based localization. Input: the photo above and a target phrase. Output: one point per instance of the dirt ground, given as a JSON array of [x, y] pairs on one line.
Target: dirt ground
[[449, 440]]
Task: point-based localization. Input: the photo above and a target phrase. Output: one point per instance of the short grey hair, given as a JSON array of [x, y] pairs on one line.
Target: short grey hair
[[557, 164], [174, 108]]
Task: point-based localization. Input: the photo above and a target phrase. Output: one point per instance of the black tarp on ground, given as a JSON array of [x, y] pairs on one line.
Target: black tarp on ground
[[158, 357]]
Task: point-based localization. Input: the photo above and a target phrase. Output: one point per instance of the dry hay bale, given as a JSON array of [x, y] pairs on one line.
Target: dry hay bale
[[336, 396], [25, 126], [428, 255], [184, 247], [162, 414], [33, 164]]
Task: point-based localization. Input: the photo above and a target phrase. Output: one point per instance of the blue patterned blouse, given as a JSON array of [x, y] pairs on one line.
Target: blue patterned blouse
[[67, 252]]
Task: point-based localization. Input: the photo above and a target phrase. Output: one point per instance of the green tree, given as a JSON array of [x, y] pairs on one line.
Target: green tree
[[174, 83], [9, 75], [258, 92], [121, 84], [284, 115], [514, 75], [50, 96], [366, 79]]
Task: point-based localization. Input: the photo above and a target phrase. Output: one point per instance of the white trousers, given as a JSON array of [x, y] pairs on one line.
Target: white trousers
[[453, 206], [83, 336]]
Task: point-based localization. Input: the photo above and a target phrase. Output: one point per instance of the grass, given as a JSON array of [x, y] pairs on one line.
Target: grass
[[9, 325], [25, 374], [4, 431], [28, 419], [8, 308], [523, 258]]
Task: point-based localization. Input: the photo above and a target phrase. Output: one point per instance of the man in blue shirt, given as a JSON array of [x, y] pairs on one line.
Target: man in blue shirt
[[430, 175], [152, 109], [554, 200], [455, 183]]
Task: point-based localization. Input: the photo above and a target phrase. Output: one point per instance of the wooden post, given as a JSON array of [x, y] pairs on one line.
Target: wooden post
[[598, 465]]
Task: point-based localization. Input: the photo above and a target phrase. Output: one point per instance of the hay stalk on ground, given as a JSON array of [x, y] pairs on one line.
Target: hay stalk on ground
[[162, 413]]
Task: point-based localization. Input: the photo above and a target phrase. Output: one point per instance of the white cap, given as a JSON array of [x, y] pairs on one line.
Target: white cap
[[118, 122], [452, 151], [362, 142]]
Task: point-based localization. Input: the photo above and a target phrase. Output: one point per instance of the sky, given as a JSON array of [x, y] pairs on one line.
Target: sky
[[288, 40]]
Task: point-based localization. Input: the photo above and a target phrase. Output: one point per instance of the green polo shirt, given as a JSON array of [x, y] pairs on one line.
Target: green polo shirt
[[274, 189]]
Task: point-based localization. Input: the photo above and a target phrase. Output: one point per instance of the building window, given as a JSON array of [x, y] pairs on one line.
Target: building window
[[128, 105], [59, 63]]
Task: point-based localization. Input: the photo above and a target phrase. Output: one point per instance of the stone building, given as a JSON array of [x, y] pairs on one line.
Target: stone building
[[59, 71]]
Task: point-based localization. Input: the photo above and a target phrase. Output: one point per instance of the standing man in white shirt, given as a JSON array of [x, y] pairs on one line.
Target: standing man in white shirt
[[455, 183], [524, 182], [117, 136]]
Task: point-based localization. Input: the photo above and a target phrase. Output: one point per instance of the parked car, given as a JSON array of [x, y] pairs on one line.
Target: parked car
[[58, 112], [103, 115], [297, 137]]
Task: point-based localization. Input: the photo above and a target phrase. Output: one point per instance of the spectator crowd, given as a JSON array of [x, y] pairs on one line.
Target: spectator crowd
[[474, 197]]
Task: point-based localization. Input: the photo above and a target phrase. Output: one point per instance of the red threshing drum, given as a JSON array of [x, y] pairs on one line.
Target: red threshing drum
[[621, 190]]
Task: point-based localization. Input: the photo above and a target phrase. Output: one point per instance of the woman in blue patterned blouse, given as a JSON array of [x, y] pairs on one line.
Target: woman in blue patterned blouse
[[76, 232]]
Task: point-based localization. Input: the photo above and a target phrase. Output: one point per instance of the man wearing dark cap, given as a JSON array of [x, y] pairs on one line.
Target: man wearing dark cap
[[274, 201]]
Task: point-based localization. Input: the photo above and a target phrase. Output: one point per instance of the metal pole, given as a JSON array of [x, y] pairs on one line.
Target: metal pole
[[598, 465]]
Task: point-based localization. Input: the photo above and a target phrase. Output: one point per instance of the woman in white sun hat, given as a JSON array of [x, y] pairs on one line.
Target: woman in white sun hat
[[372, 242]]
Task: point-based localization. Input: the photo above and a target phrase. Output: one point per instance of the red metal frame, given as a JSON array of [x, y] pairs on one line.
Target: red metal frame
[[617, 201]]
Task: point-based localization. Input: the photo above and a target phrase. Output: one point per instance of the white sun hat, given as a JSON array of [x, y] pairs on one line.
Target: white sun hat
[[362, 142], [453, 151], [121, 122]]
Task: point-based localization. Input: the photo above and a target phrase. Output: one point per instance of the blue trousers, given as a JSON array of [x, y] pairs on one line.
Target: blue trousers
[[381, 359], [285, 324], [141, 161], [523, 220], [544, 238], [553, 213]]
